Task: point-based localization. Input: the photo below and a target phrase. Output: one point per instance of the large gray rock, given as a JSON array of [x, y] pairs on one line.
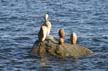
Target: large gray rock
[[48, 47]]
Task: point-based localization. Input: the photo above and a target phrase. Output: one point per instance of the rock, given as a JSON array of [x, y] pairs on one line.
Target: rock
[[39, 49], [52, 38], [48, 47]]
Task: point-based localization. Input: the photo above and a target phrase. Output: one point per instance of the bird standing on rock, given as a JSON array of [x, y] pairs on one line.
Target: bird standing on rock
[[73, 38], [61, 33], [61, 41], [45, 29], [61, 36]]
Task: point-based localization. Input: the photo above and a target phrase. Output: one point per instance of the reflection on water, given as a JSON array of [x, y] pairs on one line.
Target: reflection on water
[[20, 21]]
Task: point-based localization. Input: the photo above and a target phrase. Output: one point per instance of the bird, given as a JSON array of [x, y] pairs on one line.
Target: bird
[[61, 41], [42, 33], [47, 23], [61, 36], [44, 29], [61, 33], [73, 38]]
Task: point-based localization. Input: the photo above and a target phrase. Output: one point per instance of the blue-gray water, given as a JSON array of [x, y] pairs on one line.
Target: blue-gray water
[[20, 21]]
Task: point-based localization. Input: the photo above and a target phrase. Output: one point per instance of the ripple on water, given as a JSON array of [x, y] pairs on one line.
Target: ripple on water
[[20, 21]]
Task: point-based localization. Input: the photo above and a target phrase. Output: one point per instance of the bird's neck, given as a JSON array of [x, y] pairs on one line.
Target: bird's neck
[[46, 20]]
